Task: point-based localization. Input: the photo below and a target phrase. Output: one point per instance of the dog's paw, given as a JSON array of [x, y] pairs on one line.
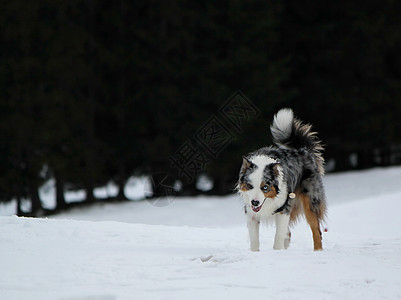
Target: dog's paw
[[280, 246], [282, 242], [255, 249], [287, 243]]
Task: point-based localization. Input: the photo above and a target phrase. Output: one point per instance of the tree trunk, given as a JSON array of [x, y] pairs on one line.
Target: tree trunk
[[19, 209], [36, 208], [90, 151], [121, 195], [60, 199], [90, 197], [121, 180]]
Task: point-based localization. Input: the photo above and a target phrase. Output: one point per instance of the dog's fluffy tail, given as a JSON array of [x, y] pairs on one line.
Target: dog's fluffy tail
[[290, 132]]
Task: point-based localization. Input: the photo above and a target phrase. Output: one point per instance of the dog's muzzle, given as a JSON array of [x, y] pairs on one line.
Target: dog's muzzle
[[256, 205]]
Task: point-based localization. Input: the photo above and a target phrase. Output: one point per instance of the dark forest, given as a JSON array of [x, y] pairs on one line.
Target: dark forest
[[98, 91]]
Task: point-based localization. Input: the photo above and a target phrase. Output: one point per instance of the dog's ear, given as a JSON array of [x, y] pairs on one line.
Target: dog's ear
[[245, 164], [274, 168]]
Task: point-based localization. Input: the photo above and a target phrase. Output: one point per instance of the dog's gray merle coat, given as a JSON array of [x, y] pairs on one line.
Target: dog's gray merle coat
[[298, 152]]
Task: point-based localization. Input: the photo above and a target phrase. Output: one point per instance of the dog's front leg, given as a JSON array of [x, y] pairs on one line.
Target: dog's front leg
[[282, 239], [253, 229]]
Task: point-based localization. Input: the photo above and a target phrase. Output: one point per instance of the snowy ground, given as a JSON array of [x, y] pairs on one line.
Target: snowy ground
[[198, 249]]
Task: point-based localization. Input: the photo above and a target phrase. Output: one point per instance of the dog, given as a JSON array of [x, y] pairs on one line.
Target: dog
[[284, 181]]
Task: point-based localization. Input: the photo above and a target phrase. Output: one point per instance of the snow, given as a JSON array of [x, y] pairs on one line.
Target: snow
[[197, 248]]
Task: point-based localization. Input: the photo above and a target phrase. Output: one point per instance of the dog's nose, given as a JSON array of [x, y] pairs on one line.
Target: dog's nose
[[255, 202]]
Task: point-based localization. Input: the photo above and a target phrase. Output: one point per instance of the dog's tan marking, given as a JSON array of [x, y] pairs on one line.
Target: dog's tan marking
[[296, 209], [313, 221], [244, 187], [271, 192], [295, 212]]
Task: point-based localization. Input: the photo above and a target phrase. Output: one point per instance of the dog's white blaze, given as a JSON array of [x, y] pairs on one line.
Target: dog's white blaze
[[257, 176]]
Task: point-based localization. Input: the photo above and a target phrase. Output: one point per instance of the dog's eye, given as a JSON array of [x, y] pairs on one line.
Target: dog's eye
[[265, 188], [249, 186]]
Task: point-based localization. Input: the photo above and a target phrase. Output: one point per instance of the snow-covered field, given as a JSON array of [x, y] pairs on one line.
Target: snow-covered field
[[197, 248]]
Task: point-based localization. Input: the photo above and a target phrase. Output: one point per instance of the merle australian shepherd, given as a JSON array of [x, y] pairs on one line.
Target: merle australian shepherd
[[283, 181]]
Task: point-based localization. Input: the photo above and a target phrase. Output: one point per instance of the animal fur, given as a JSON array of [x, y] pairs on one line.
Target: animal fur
[[269, 178]]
